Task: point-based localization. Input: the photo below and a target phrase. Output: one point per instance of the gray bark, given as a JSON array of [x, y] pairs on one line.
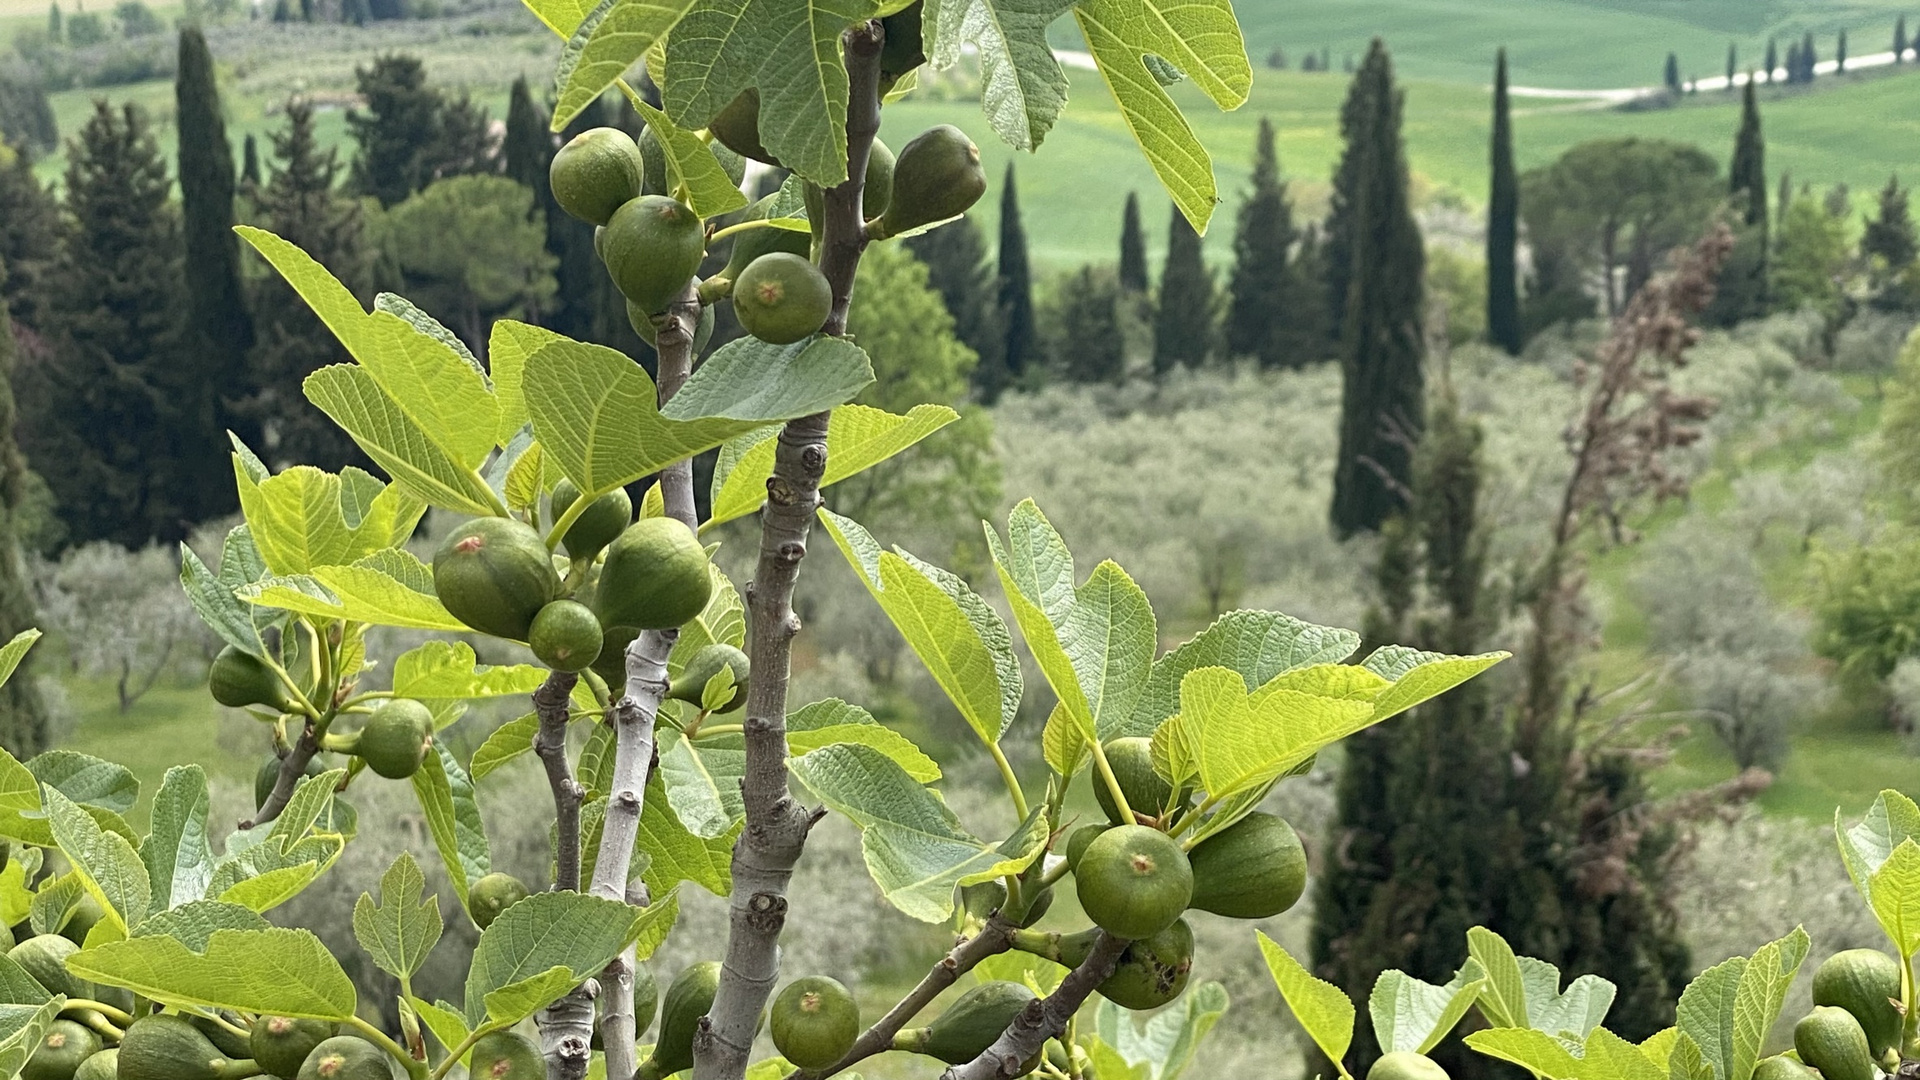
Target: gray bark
[[1043, 1019]]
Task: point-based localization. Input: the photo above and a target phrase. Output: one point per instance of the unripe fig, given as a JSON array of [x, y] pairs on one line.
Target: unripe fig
[[814, 1021], [104, 1065], [282, 1043], [494, 574], [781, 298], [655, 577], [603, 519], [691, 684], [396, 738], [1252, 869], [937, 176], [1866, 983], [566, 636], [1830, 1040], [238, 680], [1406, 1065], [347, 1057], [654, 181], [876, 194], [269, 774], [44, 956], [1133, 881], [505, 1055], [970, 1025], [1078, 839], [493, 894], [688, 998], [738, 127], [60, 1052], [166, 1047], [642, 322], [1783, 1068], [1131, 760], [987, 897], [1150, 972], [652, 248], [753, 243], [597, 172]]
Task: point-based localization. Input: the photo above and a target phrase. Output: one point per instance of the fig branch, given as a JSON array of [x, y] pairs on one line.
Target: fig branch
[[1044, 1018], [292, 768], [994, 938], [550, 745], [777, 824]]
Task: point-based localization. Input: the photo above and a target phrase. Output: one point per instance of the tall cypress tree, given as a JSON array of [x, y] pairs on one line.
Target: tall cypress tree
[[23, 714], [216, 302], [528, 149], [958, 269], [1382, 342], [1840, 55], [1183, 320], [1016, 286], [1809, 56], [1773, 58], [1262, 252], [1733, 64], [120, 403], [1900, 40], [299, 202], [1503, 223], [1747, 175], [1793, 62], [249, 163], [1672, 74], [1890, 235], [1742, 291], [1133, 248]]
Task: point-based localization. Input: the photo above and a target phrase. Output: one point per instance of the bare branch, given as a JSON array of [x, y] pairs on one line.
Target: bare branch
[[550, 704], [1043, 1019], [777, 825], [292, 768]]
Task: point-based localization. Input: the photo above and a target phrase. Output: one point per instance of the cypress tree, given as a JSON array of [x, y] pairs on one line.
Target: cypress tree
[[1742, 288], [120, 404], [1793, 62], [250, 163], [1673, 73], [1773, 58], [1748, 173], [1900, 40], [396, 132], [217, 306], [56, 24], [527, 149], [1840, 55], [1382, 342], [1262, 249], [1133, 248], [23, 715], [1016, 286], [1503, 223], [1733, 62], [958, 269], [1183, 320], [1890, 235], [1809, 56], [1088, 345], [299, 202]]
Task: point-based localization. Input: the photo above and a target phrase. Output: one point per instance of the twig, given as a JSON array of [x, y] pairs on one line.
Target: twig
[[994, 938], [1043, 1019], [777, 825], [550, 704], [292, 768]]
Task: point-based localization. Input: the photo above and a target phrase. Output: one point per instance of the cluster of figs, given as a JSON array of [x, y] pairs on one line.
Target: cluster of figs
[[1855, 1025], [1133, 880]]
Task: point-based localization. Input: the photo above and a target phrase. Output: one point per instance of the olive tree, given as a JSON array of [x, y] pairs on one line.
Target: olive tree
[[659, 707]]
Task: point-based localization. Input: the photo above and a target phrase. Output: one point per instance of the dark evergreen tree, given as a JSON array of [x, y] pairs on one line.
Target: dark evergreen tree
[[1183, 327], [1133, 248], [1085, 338], [23, 714], [26, 117], [1793, 62], [56, 24], [120, 404], [1672, 75], [1809, 56], [1900, 40], [217, 307], [1890, 235], [462, 141], [1262, 263], [397, 132], [1773, 58], [959, 270], [1015, 286], [355, 12], [1840, 54], [299, 202], [1742, 290], [249, 163], [29, 238], [1503, 223], [1382, 342], [1733, 63], [528, 148]]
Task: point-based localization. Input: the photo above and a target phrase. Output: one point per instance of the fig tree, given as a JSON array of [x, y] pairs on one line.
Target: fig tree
[[566, 636], [1406, 1065], [655, 577], [597, 172], [396, 738], [58, 1055], [493, 894], [691, 684], [652, 248], [238, 680], [1133, 881], [936, 176], [505, 1055], [346, 1057], [494, 574], [281, 1043], [814, 1021], [166, 1047], [1866, 983], [1131, 760], [597, 525], [781, 298], [1252, 869], [1830, 1039]]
